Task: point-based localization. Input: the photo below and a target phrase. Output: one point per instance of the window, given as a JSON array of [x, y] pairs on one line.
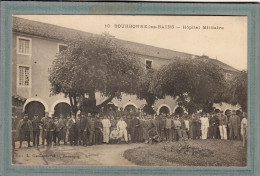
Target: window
[[228, 76], [23, 45], [148, 64], [61, 47], [23, 76]]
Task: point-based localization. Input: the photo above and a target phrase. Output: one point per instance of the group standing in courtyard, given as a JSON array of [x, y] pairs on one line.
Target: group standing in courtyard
[[115, 127]]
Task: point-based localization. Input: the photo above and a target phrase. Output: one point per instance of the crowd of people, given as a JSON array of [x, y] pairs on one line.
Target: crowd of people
[[130, 127]]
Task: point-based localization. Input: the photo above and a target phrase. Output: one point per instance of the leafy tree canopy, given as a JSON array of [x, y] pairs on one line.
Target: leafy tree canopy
[[196, 82], [96, 64]]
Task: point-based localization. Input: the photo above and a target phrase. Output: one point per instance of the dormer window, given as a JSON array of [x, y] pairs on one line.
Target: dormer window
[[148, 64], [228, 76], [61, 47]]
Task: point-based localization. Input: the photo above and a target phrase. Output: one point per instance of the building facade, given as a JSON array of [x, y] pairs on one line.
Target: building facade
[[34, 47]]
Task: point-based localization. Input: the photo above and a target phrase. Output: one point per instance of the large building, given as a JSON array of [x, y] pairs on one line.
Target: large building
[[35, 46]]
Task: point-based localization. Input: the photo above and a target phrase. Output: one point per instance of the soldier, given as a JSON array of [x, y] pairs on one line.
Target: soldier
[[49, 129], [244, 129], [63, 130], [168, 126], [57, 131], [234, 122], [213, 126], [36, 123], [121, 127], [83, 128], [98, 130], [73, 130], [14, 126], [91, 131], [177, 127], [106, 129], [135, 129], [43, 120], [222, 125], [129, 122], [114, 136], [24, 130], [204, 126], [162, 126]]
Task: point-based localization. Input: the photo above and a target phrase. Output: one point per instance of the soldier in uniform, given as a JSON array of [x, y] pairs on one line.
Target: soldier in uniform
[[135, 129], [57, 131], [24, 130], [91, 132], [73, 130], [129, 122], [14, 125], [162, 125], [36, 123], [63, 130], [106, 129], [49, 129], [83, 128], [234, 122], [98, 130], [44, 119]]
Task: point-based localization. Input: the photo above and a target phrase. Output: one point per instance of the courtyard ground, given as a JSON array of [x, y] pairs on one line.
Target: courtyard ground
[[96, 155], [182, 153]]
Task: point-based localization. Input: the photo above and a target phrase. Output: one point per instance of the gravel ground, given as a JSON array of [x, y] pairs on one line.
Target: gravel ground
[[96, 155]]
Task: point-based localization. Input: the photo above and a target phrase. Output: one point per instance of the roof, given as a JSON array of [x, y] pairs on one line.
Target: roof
[[66, 34]]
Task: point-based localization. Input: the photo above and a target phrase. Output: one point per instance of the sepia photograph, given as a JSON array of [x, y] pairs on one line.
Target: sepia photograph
[[129, 90]]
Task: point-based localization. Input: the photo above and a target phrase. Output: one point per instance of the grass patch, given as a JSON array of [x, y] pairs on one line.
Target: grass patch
[[190, 153]]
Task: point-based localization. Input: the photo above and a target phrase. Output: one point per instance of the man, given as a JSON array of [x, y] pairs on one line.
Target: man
[[83, 129], [129, 122], [234, 122], [91, 131], [162, 126], [222, 124], [49, 129], [204, 126], [184, 127], [98, 130], [44, 120], [36, 123], [24, 130], [106, 129], [14, 132], [73, 130], [177, 127], [120, 113], [63, 130], [213, 126], [56, 132], [244, 129], [121, 127], [135, 129], [168, 126], [114, 136]]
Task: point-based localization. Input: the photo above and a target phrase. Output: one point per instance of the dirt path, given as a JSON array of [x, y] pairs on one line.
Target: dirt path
[[100, 155]]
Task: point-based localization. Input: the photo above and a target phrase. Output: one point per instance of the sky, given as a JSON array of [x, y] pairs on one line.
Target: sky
[[228, 43]]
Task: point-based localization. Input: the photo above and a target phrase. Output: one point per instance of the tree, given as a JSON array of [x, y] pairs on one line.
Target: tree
[[196, 82], [238, 90], [145, 92], [96, 64]]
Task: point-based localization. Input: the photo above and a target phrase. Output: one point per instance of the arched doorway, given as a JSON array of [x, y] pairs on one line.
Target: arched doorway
[[164, 110], [62, 108], [130, 108], [179, 110], [34, 107]]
